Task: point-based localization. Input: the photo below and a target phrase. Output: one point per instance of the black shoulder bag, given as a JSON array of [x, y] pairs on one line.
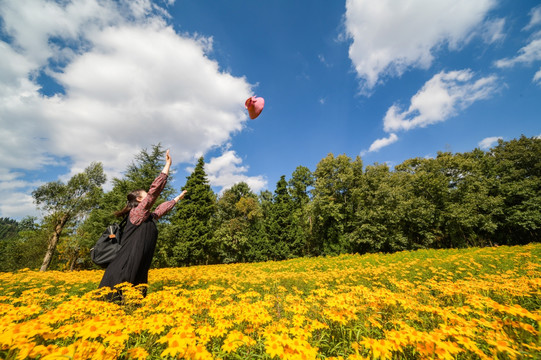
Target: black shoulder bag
[[106, 248]]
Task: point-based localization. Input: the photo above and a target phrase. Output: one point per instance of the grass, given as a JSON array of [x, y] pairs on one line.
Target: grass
[[478, 303]]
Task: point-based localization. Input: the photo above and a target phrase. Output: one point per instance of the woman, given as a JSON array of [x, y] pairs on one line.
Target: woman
[[140, 234]]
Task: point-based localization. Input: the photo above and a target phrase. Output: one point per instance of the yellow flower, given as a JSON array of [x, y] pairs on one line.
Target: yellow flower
[[229, 345], [91, 331], [357, 357], [137, 353], [117, 339], [274, 348], [236, 339], [61, 353]]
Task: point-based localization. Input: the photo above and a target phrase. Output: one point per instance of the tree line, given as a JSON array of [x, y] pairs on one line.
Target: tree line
[[477, 198]]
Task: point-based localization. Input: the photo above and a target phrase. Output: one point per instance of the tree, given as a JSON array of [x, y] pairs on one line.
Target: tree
[[8, 228], [8, 233], [471, 214], [376, 217], [27, 248], [190, 235], [424, 186], [21, 244], [238, 226], [518, 170], [281, 229], [66, 202], [300, 184], [334, 203]]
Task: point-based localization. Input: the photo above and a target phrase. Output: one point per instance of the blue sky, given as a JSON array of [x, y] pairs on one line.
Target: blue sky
[[389, 80]]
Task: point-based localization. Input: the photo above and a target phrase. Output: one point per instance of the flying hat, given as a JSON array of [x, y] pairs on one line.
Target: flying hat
[[254, 105]]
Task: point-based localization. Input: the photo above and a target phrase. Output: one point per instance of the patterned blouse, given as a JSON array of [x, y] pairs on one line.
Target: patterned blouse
[[142, 211]]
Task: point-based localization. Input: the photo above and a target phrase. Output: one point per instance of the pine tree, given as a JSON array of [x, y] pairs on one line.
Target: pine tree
[[282, 229], [300, 183], [190, 236]]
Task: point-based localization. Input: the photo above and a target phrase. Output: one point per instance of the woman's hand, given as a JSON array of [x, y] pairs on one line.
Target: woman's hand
[[168, 157], [177, 199], [168, 162]]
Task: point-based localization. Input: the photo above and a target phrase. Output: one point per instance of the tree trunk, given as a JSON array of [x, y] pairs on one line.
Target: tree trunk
[[73, 260], [53, 241]]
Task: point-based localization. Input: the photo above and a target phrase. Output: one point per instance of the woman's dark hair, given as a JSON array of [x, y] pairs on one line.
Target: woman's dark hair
[[132, 203]]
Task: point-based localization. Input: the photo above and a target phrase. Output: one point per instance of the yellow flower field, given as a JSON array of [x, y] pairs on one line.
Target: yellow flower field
[[482, 303]]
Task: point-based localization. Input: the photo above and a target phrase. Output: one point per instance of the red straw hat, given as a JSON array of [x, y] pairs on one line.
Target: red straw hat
[[255, 106]]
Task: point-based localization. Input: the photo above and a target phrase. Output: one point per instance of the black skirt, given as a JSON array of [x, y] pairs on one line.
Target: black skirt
[[134, 257]]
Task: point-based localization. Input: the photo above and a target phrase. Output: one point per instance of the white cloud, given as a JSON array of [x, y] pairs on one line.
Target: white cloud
[[537, 77], [526, 55], [17, 205], [529, 53], [488, 142], [145, 85], [33, 23], [389, 37], [130, 81], [14, 192], [535, 18], [439, 99], [227, 170], [380, 143], [492, 30]]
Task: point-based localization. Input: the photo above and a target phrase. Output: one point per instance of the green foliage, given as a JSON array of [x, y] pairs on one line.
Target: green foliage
[[281, 225], [300, 185], [334, 203], [26, 249], [189, 238], [378, 214], [65, 203], [238, 226], [478, 198], [472, 207], [8, 228], [518, 168], [79, 194]]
